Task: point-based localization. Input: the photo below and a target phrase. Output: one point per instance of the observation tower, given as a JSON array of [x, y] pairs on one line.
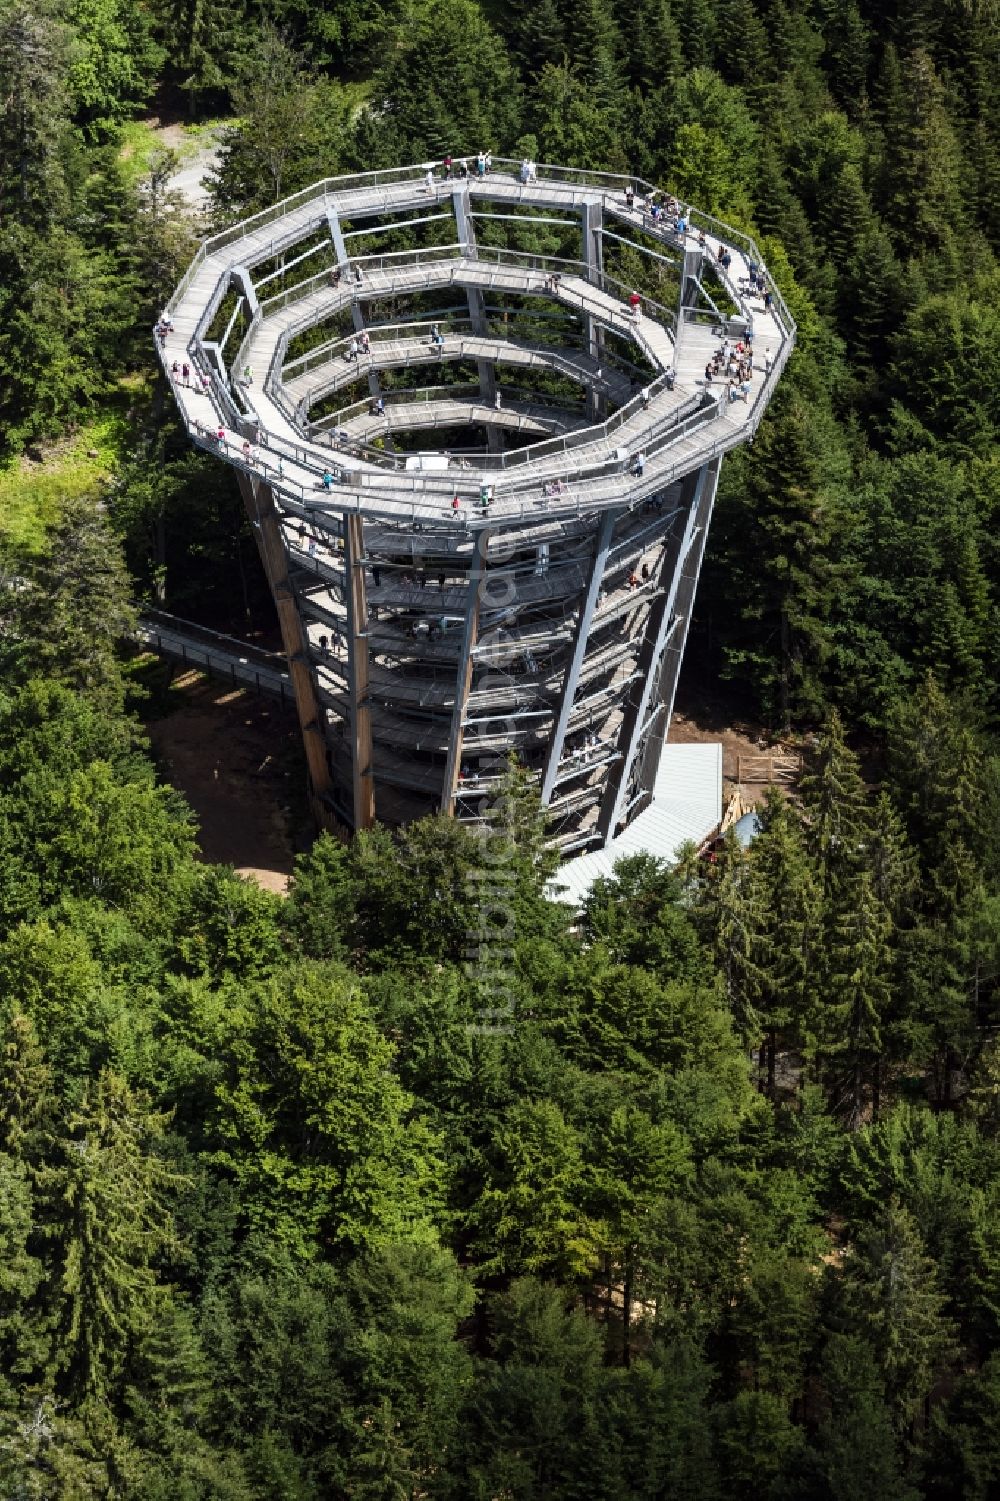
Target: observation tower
[[475, 434]]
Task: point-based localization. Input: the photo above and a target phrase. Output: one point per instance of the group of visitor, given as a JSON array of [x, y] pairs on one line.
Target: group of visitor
[[460, 169], [724, 256], [733, 365], [666, 214]]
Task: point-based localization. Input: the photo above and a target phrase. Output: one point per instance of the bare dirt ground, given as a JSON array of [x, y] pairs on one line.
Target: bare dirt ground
[[237, 760], [736, 740], [700, 721]]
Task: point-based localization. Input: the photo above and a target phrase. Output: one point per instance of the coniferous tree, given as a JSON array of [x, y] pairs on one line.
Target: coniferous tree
[[728, 911], [890, 1298], [786, 932], [109, 1215]]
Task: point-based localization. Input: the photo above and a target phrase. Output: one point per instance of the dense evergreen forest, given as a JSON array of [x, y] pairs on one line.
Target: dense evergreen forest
[[716, 1212]]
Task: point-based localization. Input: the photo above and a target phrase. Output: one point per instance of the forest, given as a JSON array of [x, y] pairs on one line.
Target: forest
[[716, 1212]]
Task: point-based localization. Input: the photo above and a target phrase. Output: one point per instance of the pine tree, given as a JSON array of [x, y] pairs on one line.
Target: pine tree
[[847, 215], [781, 532], [653, 43], [753, 62], [938, 772], [834, 802], [699, 31], [871, 299], [859, 1453], [108, 1210], [638, 1164], [856, 994], [27, 1096], [786, 932], [542, 37], [963, 1452], [891, 866], [922, 172], [849, 48], [729, 914], [35, 51], [79, 607], [449, 84], [531, 1215], [892, 1300], [24, 1343]]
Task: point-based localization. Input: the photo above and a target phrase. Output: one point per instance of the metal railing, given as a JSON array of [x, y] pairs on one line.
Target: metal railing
[[608, 183], [425, 490], [467, 392], [224, 661], [428, 493], [344, 370]]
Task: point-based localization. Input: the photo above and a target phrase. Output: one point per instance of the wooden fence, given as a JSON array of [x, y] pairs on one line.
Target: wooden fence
[[779, 767]]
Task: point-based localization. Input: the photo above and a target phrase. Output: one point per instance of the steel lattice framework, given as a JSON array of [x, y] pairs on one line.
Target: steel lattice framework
[[525, 585]]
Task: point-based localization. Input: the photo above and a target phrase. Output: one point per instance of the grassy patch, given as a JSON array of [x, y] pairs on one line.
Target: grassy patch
[[198, 133], [33, 491], [139, 140]]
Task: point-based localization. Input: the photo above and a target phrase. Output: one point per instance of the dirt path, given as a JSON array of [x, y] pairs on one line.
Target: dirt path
[[198, 159], [237, 759]]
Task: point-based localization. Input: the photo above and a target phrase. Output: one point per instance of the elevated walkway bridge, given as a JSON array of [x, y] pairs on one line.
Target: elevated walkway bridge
[[528, 588]]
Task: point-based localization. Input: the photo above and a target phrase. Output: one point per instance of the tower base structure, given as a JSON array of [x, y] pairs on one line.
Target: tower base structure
[[523, 587]]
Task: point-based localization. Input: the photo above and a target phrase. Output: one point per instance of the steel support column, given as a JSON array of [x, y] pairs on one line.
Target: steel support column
[[337, 236], [259, 503], [357, 314], [691, 275], [241, 276], [591, 222], [212, 348], [690, 290], [362, 768], [463, 679], [477, 307], [589, 599], [654, 638], [669, 668], [358, 318]]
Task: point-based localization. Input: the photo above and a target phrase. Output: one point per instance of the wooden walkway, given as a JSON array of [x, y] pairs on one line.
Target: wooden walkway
[[591, 470], [337, 369]]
